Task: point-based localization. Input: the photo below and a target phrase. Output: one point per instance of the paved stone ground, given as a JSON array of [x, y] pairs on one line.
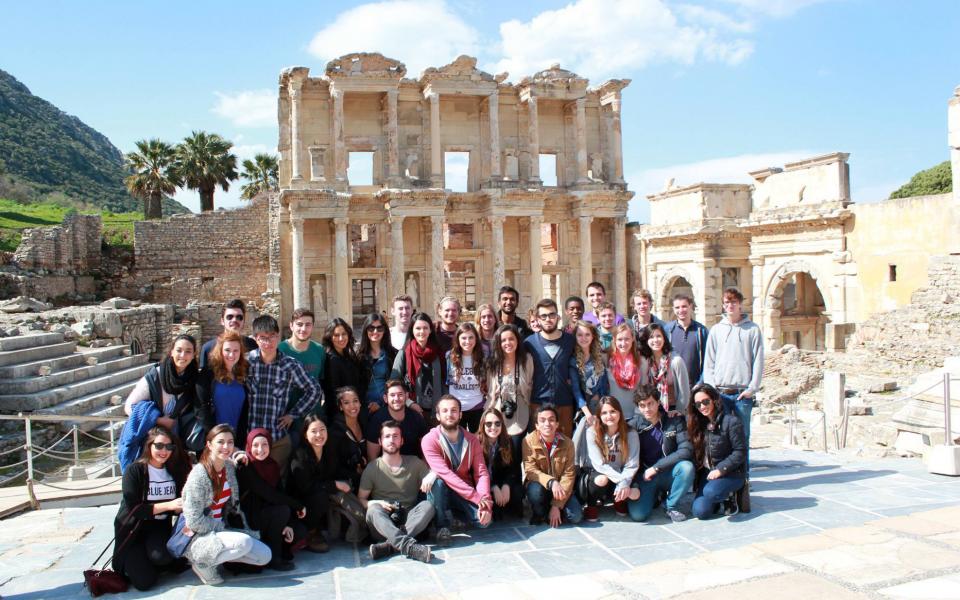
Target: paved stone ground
[[821, 527]]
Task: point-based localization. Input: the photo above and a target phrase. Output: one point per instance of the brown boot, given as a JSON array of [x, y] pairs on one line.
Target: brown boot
[[317, 543]]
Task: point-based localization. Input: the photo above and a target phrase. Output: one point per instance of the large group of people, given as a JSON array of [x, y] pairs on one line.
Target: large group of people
[[241, 453]]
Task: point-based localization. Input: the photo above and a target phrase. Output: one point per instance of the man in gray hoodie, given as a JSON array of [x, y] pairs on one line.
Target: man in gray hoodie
[[734, 359]]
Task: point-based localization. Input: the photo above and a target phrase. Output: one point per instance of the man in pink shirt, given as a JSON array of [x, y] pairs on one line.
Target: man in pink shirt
[[463, 484]]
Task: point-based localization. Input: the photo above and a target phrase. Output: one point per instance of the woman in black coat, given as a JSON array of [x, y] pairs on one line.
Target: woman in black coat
[[503, 464], [151, 496], [719, 450], [343, 367]]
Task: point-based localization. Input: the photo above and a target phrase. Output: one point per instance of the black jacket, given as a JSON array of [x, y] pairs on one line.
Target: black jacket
[[256, 494], [676, 445], [341, 371], [134, 504], [309, 477], [351, 451], [726, 446], [503, 473]]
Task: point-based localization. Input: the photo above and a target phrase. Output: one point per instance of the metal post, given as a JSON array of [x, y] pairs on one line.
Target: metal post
[[113, 453], [846, 423], [28, 446], [76, 446], [947, 426], [824, 431]]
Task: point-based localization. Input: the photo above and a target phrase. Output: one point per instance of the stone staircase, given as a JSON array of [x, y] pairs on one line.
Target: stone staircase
[[44, 374]]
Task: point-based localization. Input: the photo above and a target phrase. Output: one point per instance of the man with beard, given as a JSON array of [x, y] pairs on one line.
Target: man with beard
[[412, 423], [508, 298], [463, 483], [551, 349], [390, 489]]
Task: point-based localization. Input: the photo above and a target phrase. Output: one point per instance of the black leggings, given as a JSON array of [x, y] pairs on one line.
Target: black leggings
[[595, 493], [317, 506], [146, 555], [270, 521]]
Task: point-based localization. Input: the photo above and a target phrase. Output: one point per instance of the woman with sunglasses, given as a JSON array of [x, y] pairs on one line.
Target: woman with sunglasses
[[465, 375], [502, 464], [222, 386], [343, 366], [664, 370], [719, 450], [487, 323], [151, 495], [377, 354]]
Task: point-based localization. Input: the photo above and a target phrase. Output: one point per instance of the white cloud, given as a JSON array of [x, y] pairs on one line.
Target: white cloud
[[774, 8], [732, 169], [598, 38], [419, 34], [250, 108]]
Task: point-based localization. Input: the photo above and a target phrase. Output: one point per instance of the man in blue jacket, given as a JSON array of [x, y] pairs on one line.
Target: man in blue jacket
[[688, 337], [551, 348]]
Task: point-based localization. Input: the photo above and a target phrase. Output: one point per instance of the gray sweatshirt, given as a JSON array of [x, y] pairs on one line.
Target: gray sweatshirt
[[734, 355], [620, 471]]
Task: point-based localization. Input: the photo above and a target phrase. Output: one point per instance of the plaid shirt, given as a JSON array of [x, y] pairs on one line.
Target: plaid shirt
[[270, 386]]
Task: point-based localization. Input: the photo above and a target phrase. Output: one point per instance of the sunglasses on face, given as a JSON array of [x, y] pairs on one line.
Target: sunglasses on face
[[491, 424], [233, 317], [162, 446], [376, 329], [706, 402], [548, 316]]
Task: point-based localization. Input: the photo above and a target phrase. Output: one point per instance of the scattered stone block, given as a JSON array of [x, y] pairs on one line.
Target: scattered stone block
[[11, 331], [44, 370], [883, 385], [92, 360], [100, 344], [834, 384], [116, 303], [116, 399], [84, 329], [22, 304]]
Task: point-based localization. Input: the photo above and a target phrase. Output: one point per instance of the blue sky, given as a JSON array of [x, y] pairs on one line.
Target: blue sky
[[719, 87]]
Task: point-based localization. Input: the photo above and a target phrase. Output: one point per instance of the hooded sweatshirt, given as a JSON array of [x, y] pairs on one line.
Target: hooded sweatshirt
[[734, 355]]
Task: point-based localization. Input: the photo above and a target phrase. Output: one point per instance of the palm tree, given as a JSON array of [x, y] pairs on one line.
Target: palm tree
[[204, 161], [262, 174], [154, 174]]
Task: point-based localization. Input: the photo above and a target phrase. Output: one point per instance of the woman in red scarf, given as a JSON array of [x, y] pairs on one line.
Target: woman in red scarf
[[275, 514], [421, 366], [623, 371]]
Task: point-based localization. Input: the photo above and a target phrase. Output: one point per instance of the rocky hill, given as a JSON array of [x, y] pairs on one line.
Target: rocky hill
[[48, 154]]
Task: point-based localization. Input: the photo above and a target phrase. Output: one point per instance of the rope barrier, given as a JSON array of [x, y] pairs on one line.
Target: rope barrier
[[76, 489]]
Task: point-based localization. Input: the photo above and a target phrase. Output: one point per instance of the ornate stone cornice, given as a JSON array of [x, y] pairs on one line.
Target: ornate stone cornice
[[366, 65]]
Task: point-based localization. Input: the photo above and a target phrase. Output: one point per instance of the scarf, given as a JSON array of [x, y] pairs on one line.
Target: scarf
[[625, 371], [455, 457], [416, 357], [268, 469], [660, 374], [175, 384]]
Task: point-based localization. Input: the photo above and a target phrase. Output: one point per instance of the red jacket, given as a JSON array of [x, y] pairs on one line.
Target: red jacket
[[470, 480]]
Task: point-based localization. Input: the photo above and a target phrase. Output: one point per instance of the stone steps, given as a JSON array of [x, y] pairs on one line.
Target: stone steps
[[35, 353], [34, 384], [61, 363], [29, 341], [51, 397]]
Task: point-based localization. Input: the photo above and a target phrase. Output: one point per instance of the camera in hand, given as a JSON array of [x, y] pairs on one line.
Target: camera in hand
[[509, 407], [396, 513]]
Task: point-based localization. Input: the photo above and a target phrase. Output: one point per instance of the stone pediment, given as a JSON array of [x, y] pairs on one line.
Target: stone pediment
[[555, 76], [366, 65], [464, 68]]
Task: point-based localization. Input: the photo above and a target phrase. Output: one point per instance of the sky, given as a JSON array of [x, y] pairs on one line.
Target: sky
[[719, 87]]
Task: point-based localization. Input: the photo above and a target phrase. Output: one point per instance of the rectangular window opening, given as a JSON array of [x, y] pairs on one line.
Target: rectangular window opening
[[456, 166], [893, 273], [360, 168], [548, 170]]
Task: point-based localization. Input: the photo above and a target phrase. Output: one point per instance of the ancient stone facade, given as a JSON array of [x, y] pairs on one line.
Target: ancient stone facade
[[70, 248], [345, 248]]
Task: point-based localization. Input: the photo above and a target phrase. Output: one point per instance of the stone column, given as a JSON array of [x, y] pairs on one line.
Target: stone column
[[436, 151], [586, 253], [393, 147], [580, 121], [533, 140], [396, 265], [436, 260], [496, 232], [536, 259], [616, 141], [296, 94], [620, 264], [300, 296], [493, 109], [339, 145], [344, 307]]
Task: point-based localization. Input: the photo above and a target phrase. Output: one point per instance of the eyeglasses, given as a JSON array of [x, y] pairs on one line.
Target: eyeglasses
[[267, 339], [233, 317], [547, 316], [377, 329], [706, 402], [492, 424], [162, 446]]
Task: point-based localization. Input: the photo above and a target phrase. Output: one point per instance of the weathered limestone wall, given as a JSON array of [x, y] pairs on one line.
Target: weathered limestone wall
[[898, 239], [211, 256], [72, 247], [806, 182]]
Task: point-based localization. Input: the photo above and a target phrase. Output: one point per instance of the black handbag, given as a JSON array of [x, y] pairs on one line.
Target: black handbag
[[192, 431]]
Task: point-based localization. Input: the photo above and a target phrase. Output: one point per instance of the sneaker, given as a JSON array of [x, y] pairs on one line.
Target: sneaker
[[418, 552], [676, 516], [591, 514], [380, 550], [208, 575], [621, 508], [730, 506], [281, 565], [317, 543], [443, 537]]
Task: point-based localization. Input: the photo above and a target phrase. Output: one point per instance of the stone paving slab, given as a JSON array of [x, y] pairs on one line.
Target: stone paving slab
[[817, 528]]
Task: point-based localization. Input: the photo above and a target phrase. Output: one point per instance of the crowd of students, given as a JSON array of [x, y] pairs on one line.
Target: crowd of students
[[247, 450]]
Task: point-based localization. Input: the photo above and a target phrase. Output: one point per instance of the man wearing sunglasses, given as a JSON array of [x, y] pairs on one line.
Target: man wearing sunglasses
[[231, 318], [551, 349]]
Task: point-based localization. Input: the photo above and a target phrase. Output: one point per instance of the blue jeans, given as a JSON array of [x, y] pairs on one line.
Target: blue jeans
[[676, 482], [540, 500], [743, 409], [443, 499], [713, 493]]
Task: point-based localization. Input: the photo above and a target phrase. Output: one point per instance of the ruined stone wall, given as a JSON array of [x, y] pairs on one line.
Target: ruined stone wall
[[72, 247], [207, 257]]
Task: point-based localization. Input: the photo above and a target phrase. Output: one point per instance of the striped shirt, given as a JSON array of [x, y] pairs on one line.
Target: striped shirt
[[270, 386], [216, 509]]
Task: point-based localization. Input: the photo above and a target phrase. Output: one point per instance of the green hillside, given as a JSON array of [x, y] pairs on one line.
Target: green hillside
[[46, 154], [14, 217]]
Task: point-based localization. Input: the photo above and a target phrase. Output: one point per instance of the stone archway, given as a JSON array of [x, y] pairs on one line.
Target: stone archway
[[674, 281], [795, 308]]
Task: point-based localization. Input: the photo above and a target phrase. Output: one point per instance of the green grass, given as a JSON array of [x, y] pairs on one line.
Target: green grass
[[15, 217]]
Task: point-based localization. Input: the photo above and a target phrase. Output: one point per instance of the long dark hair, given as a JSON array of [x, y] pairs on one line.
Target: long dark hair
[[645, 350], [697, 423], [350, 351], [456, 353], [364, 343], [422, 316], [178, 465], [600, 429], [496, 354], [207, 461], [307, 422], [503, 440]]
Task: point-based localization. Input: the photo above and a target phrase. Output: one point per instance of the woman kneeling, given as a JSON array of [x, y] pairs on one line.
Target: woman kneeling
[[614, 452], [719, 450]]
